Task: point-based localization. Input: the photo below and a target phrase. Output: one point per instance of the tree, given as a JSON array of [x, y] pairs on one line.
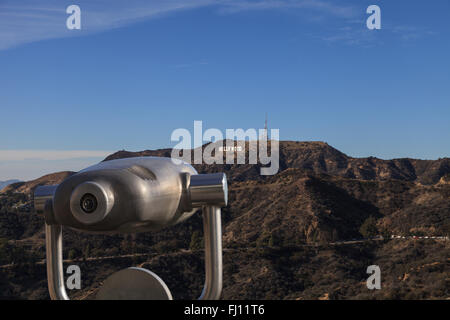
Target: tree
[[369, 228], [4, 251], [72, 254], [87, 251], [271, 241], [274, 240], [196, 241]]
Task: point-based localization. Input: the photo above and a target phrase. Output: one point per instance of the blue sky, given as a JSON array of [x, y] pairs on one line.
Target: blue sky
[[137, 70]]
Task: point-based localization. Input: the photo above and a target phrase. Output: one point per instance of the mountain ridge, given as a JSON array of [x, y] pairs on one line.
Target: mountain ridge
[[4, 184], [314, 157], [28, 186], [321, 158]]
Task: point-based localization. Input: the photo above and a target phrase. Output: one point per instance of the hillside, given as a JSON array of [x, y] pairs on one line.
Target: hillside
[[3, 184], [28, 186], [297, 225]]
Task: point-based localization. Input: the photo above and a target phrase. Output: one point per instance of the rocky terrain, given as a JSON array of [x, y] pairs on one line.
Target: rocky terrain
[[304, 233]]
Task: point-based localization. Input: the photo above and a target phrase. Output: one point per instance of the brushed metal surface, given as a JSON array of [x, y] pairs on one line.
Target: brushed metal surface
[[134, 195], [55, 272], [134, 284], [141, 194], [205, 189], [212, 229]]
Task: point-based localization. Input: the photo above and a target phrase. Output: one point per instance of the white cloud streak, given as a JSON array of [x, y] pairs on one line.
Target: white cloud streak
[[30, 21], [326, 7]]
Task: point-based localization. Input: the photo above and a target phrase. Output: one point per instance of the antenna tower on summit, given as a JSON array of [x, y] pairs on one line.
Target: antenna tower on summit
[[265, 126]]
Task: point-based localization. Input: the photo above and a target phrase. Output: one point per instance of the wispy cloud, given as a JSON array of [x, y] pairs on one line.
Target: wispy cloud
[[30, 21], [190, 65], [355, 33], [407, 33], [321, 6], [352, 35]]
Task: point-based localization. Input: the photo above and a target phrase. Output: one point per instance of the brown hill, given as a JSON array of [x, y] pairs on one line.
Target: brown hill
[[27, 187]]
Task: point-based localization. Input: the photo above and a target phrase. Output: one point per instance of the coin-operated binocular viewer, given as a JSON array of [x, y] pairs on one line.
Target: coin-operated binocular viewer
[[128, 196]]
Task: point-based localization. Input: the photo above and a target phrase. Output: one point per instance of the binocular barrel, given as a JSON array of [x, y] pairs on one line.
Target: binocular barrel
[[130, 195], [208, 189], [133, 195]]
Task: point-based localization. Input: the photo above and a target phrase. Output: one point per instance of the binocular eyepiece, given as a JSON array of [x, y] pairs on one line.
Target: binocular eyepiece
[[88, 203], [128, 196]]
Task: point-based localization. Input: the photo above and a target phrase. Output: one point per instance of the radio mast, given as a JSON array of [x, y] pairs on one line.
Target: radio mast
[[265, 126], [266, 133]]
